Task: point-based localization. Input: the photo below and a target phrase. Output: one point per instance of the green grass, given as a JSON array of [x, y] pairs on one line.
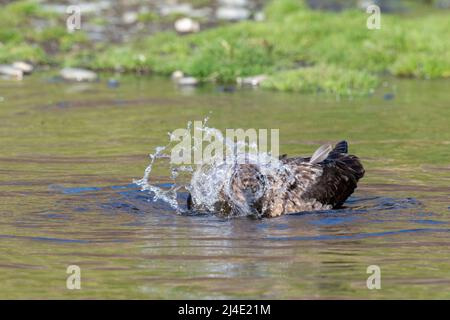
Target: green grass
[[298, 48], [21, 51], [345, 55], [323, 79]]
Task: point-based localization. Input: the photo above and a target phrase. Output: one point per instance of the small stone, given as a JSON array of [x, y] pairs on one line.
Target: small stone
[[232, 13], [187, 81], [252, 81], [24, 66], [10, 71], [75, 74], [186, 25]]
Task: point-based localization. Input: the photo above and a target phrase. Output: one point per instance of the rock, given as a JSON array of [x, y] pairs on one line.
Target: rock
[[232, 13], [24, 66], [252, 81], [10, 71], [75, 74], [186, 25], [187, 81], [130, 17]]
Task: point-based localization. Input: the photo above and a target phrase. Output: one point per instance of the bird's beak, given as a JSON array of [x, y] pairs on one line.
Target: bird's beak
[[189, 202]]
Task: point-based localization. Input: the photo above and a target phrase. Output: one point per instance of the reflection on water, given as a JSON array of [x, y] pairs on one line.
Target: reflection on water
[[69, 154]]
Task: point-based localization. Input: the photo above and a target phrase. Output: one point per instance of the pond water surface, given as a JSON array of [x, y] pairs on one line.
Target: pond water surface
[[70, 152]]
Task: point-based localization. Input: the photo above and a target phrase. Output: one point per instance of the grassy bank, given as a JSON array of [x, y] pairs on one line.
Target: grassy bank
[[298, 48], [27, 32]]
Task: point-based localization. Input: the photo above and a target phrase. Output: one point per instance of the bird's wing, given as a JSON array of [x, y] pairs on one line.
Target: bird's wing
[[338, 180]]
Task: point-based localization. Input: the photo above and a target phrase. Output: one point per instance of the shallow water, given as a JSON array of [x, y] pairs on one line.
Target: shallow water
[[69, 154]]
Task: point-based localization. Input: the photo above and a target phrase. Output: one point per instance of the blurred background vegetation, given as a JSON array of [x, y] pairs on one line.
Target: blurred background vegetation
[[297, 45]]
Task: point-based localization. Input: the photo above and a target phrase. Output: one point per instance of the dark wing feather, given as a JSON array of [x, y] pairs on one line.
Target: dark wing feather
[[338, 180], [341, 147]]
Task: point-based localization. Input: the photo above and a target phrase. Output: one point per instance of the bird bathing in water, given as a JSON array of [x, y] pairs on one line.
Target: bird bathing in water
[[321, 182]]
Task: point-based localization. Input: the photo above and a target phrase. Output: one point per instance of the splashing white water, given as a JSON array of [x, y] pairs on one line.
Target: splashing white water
[[211, 179]]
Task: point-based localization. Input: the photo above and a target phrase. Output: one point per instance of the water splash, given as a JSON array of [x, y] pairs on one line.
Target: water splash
[[167, 195], [159, 193], [210, 180]]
